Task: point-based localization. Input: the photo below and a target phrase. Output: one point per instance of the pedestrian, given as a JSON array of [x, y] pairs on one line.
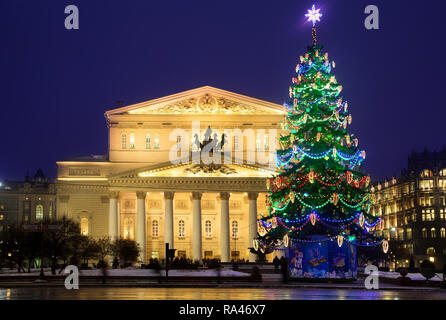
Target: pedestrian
[[284, 267], [276, 263], [104, 271], [218, 269]]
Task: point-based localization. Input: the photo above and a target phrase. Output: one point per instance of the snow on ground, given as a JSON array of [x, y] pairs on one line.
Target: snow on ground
[[135, 272], [412, 276]]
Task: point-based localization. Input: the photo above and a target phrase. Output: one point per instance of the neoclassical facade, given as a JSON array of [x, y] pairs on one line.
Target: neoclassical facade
[[188, 169]]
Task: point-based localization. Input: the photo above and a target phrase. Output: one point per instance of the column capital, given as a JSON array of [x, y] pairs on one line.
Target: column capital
[[113, 194], [196, 195], [224, 195], [253, 195], [141, 194], [169, 195]]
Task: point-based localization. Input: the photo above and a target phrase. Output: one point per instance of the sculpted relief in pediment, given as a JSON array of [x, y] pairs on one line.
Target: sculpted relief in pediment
[[204, 104]]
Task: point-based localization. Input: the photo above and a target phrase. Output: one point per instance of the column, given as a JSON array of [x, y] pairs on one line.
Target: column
[[168, 218], [113, 215], [196, 226], [141, 223], [252, 220], [224, 226]]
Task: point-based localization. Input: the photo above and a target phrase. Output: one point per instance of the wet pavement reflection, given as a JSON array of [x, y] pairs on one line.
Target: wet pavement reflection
[[120, 293]]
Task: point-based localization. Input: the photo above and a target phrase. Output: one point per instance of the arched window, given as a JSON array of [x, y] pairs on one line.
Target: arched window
[[433, 233], [132, 141], [156, 141], [208, 228], [123, 141], [155, 228], [128, 229], [84, 226], [426, 174], [39, 212], [181, 228], [148, 146], [430, 251], [234, 230], [443, 232], [424, 233]]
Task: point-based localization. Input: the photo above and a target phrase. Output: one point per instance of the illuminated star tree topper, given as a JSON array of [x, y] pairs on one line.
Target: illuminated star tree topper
[[314, 16]]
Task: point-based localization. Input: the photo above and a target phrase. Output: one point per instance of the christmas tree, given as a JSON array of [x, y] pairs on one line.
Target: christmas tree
[[320, 189]]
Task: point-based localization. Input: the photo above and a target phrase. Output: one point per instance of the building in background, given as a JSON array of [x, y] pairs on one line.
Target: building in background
[[414, 209], [27, 201]]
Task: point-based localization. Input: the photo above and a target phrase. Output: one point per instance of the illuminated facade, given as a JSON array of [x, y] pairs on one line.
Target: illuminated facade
[[414, 209], [138, 192], [29, 201]]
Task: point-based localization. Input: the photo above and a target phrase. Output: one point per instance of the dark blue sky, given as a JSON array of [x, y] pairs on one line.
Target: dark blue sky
[[56, 84]]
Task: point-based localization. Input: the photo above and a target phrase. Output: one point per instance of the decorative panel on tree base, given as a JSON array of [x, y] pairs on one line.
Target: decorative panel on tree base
[[322, 260]]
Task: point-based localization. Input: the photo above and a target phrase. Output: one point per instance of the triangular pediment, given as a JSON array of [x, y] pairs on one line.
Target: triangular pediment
[[190, 170], [204, 100]]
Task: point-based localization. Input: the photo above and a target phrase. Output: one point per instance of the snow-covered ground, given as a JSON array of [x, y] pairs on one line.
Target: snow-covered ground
[[135, 272], [412, 276]]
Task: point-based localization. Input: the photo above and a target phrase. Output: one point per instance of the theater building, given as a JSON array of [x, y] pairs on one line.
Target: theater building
[[150, 187]]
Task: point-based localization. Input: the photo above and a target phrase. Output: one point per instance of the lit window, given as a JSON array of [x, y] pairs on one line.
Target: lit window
[[155, 255], [443, 173], [181, 228], [132, 141], [39, 212], [266, 142], [155, 228], [84, 226], [426, 184], [123, 141], [433, 233], [2, 217], [426, 174], [148, 146], [234, 230], [443, 232], [258, 142], [430, 251], [424, 233], [128, 229], [156, 141], [409, 233], [208, 228], [401, 234]]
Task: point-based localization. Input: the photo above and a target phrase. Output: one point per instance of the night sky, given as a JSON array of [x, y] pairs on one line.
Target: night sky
[[56, 84]]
